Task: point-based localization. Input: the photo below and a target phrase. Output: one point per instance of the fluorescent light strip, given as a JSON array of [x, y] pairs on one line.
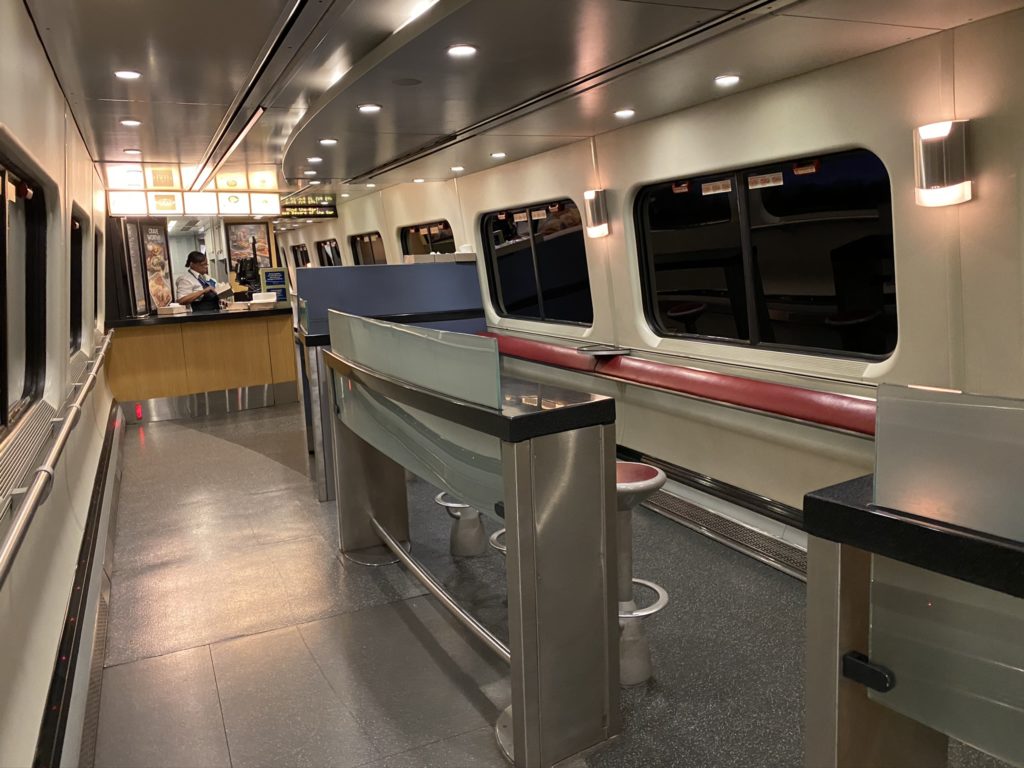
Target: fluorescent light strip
[[203, 177]]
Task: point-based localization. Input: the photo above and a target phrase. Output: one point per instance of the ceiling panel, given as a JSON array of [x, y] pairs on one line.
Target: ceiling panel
[[474, 155], [768, 50], [536, 47], [169, 132], [934, 14], [718, 5]]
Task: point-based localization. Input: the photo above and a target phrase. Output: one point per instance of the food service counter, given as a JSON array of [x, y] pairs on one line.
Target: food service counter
[[199, 363]]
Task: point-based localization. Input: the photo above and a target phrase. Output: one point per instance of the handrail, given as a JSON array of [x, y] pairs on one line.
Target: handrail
[[39, 488], [426, 578]]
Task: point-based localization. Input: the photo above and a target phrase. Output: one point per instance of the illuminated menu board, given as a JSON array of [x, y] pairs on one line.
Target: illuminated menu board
[[323, 206]]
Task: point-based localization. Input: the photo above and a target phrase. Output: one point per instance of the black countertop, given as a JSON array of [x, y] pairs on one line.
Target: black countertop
[[845, 513], [196, 317]]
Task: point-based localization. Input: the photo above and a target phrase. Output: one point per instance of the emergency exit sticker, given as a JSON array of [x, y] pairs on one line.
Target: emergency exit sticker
[[765, 180]]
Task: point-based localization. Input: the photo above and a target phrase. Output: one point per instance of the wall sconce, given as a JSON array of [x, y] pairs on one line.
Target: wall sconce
[[940, 164], [597, 213]]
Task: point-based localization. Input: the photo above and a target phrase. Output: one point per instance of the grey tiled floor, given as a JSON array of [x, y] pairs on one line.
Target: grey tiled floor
[[238, 638]]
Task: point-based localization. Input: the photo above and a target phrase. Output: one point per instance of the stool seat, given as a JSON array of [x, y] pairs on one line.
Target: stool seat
[[634, 482]]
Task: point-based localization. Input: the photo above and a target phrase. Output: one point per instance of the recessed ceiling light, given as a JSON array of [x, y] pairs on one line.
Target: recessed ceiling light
[[309, 173], [418, 181], [328, 142], [131, 123], [345, 194], [127, 74], [370, 186], [458, 168], [625, 114], [133, 151], [498, 155], [727, 81], [309, 221], [461, 51], [314, 160], [369, 109], [315, 181]]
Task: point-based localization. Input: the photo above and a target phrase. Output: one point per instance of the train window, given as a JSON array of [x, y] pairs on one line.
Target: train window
[[537, 263], [812, 249], [436, 237], [328, 252], [75, 272], [23, 268], [368, 248], [301, 255]]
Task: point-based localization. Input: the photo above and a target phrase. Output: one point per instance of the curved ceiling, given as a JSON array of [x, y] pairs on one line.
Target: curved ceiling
[[547, 72]]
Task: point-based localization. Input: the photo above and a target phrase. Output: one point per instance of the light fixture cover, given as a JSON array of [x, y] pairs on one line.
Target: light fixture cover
[[940, 164], [597, 213]]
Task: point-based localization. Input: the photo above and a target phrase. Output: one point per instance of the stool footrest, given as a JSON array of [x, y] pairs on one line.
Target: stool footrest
[[495, 541], [651, 609], [451, 507]]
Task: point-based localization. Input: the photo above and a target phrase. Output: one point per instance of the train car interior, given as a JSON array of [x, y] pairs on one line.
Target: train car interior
[[470, 383]]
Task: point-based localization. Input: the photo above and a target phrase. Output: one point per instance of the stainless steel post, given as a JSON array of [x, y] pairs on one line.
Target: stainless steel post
[[560, 512], [322, 406]]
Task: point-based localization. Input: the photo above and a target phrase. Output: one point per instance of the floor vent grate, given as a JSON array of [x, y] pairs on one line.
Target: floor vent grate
[[90, 728], [778, 554]]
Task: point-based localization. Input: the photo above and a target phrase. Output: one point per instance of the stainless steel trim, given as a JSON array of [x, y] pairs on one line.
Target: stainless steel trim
[[39, 488], [654, 607], [494, 541], [211, 403], [434, 587]]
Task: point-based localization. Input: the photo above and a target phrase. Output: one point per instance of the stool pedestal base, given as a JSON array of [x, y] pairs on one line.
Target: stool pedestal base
[[635, 666], [468, 537]]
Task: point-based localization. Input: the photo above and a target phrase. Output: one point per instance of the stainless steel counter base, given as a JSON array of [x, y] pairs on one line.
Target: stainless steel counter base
[[316, 406], [209, 403]]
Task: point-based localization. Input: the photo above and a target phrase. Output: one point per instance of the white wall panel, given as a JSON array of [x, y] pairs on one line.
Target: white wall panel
[[989, 61], [873, 102], [408, 204]]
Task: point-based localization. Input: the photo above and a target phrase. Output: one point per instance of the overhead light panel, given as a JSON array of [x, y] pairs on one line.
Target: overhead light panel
[[130, 123], [328, 142], [315, 181], [345, 194], [461, 51], [133, 151], [127, 74], [625, 114], [371, 186], [314, 160], [369, 109], [309, 173], [727, 81], [498, 155], [458, 168], [418, 181]]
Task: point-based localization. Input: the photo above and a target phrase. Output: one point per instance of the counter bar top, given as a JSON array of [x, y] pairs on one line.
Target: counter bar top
[[844, 513], [196, 317]]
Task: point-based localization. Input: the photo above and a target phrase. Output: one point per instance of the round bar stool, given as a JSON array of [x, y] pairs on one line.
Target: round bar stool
[[634, 483], [468, 538]]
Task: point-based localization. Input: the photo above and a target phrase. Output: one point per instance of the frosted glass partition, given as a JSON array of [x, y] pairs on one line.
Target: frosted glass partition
[[461, 366], [951, 457], [957, 654]]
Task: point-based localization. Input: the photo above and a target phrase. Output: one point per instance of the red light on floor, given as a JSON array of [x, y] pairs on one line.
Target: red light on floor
[[138, 411]]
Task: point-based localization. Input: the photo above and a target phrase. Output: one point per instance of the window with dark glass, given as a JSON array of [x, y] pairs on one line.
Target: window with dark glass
[[328, 252], [368, 248], [420, 239], [23, 268], [75, 274], [795, 254], [537, 263]]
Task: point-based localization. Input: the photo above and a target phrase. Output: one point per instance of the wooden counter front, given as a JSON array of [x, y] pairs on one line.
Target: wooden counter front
[[204, 355]]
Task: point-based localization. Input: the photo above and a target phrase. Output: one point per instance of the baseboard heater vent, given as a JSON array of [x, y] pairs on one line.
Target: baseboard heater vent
[[91, 726], [778, 554]]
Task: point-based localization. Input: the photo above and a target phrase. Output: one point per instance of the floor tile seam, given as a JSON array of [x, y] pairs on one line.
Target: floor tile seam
[[425, 745], [343, 612], [366, 734], [220, 704]]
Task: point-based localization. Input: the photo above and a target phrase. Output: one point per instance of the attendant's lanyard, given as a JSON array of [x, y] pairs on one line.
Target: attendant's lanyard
[[201, 280]]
